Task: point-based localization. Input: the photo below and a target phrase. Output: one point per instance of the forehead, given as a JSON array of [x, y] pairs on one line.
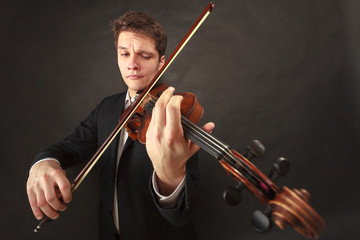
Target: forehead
[[129, 39]]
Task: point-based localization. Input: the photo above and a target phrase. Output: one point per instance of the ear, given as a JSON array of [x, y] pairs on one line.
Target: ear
[[161, 62]]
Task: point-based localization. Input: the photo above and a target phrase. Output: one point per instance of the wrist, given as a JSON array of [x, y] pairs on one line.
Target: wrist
[[45, 161], [168, 181]]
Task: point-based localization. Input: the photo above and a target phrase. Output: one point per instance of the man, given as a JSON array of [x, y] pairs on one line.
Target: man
[[145, 192]]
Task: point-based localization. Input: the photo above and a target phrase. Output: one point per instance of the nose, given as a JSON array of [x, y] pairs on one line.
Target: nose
[[133, 63]]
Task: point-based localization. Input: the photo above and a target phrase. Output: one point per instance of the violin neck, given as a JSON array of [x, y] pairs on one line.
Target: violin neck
[[204, 140]]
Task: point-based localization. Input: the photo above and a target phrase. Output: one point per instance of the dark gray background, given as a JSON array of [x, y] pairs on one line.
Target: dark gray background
[[285, 72]]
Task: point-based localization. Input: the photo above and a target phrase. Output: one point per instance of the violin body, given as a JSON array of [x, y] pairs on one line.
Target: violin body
[[139, 122]]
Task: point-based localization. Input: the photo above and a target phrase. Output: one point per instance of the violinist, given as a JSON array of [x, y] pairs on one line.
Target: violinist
[[145, 191]]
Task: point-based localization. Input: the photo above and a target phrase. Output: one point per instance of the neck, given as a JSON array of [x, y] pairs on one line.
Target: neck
[[132, 93]]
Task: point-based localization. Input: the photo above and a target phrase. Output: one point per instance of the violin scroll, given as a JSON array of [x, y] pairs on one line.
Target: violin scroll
[[291, 207]]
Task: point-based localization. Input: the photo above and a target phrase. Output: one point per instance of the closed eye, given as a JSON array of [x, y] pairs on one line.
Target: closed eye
[[145, 56]]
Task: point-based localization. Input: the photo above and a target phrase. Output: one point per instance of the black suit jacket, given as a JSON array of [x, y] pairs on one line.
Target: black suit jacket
[[140, 215]]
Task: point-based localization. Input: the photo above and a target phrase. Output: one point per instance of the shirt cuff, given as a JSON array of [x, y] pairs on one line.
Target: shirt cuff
[[45, 159], [171, 200]]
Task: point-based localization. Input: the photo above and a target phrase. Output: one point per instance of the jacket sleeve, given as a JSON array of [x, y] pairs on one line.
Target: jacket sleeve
[[77, 147], [187, 202]]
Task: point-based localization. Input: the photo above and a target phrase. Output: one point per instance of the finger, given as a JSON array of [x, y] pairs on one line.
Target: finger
[[64, 188], [159, 110], [34, 206], [209, 127], [52, 197], [55, 189], [167, 94], [54, 201], [45, 207], [173, 116]]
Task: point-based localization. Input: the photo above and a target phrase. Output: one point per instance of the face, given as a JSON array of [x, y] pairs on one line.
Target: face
[[138, 60]]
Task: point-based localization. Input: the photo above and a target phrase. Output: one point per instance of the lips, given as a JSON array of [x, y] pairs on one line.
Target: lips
[[134, 77]]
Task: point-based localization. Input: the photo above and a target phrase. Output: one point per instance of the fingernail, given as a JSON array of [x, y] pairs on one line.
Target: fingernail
[[39, 217]]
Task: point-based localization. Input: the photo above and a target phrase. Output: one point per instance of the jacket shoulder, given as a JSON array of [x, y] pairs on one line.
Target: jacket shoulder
[[114, 98]]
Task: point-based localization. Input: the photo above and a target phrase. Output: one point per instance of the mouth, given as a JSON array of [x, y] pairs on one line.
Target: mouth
[[134, 77]]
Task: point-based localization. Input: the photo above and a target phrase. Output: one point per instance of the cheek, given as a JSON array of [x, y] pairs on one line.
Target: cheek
[[119, 62], [153, 68], [121, 66]]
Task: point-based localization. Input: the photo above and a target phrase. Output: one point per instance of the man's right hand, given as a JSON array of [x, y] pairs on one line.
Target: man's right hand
[[47, 182]]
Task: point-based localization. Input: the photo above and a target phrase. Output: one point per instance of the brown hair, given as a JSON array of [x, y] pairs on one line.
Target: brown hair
[[139, 22]]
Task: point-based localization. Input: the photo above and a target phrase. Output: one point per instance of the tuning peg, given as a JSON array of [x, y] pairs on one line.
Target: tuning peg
[[261, 220], [232, 195], [279, 168], [254, 149]]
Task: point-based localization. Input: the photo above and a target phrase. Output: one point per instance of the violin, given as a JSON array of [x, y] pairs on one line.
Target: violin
[[287, 207], [283, 206]]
